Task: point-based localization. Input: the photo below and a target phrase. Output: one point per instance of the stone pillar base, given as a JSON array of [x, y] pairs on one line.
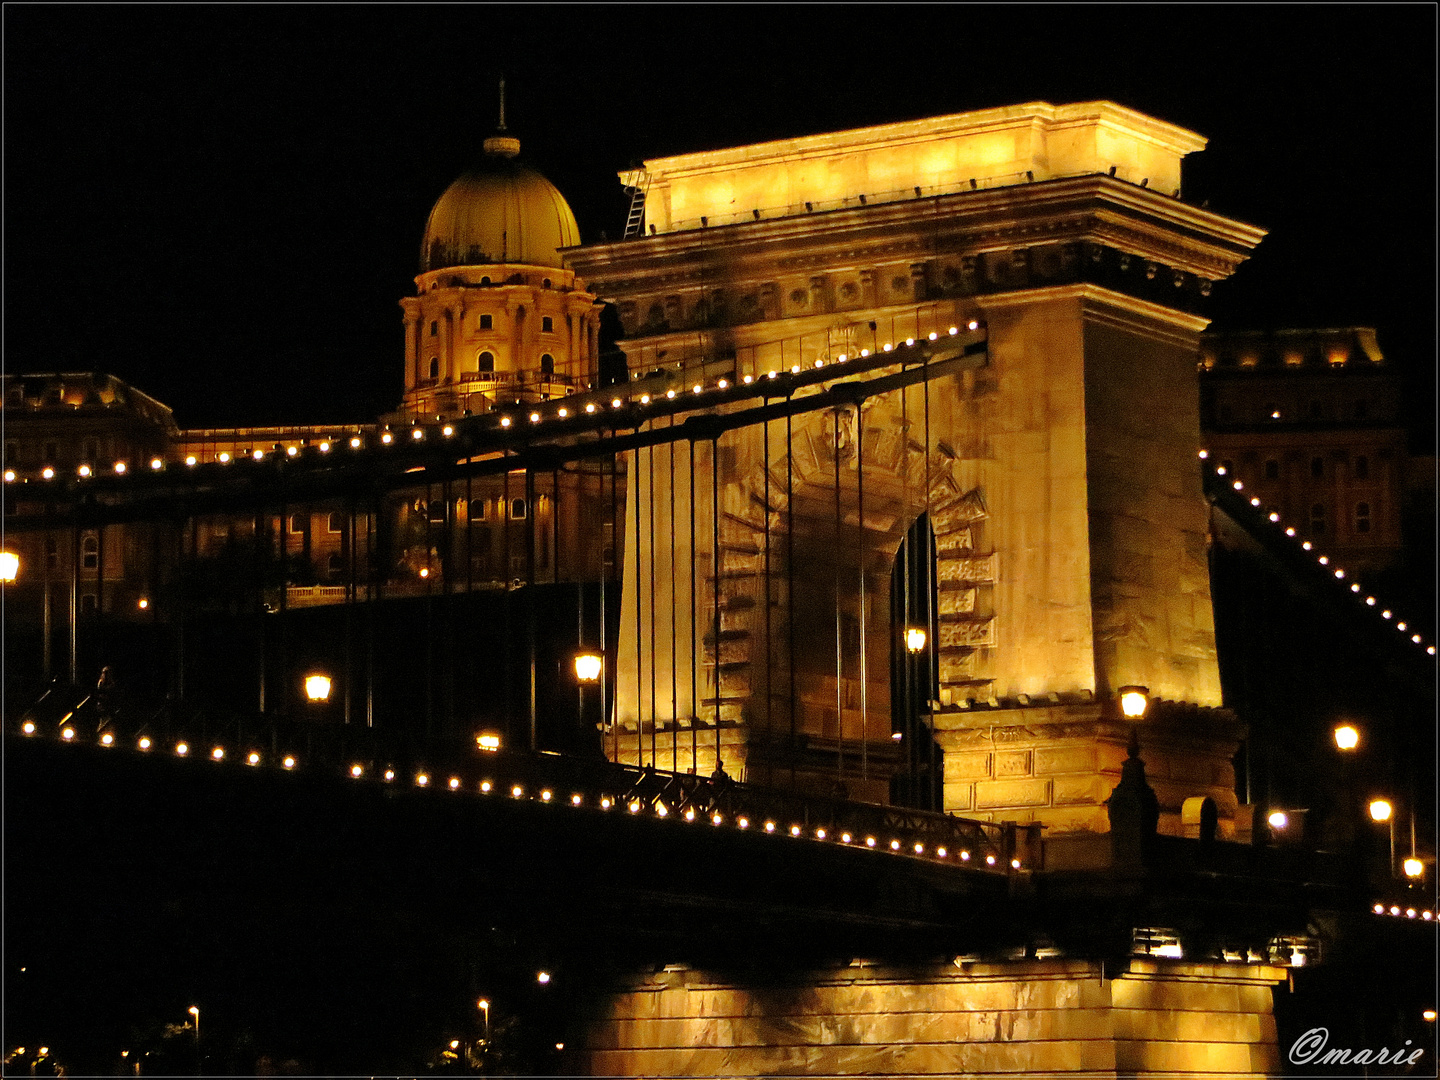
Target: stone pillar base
[[1050, 1017]]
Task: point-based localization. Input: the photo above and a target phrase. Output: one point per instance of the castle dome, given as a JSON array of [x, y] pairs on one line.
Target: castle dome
[[499, 212]]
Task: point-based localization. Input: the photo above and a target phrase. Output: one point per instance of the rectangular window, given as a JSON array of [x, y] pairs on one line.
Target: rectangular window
[[486, 322], [547, 324]]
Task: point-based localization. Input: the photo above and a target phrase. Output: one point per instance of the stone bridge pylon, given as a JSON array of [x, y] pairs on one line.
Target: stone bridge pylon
[[839, 277]]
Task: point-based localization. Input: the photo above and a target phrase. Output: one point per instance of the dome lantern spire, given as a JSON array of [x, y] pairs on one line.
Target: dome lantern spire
[[501, 144]]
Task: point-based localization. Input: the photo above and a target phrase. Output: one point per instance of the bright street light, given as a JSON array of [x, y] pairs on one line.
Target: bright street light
[[1347, 737], [1134, 700], [9, 567], [915, 639], [1380, 809], [317, 687], [587, 667]]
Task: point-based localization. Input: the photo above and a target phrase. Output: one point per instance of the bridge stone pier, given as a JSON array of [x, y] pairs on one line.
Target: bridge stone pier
[[997, 316], [1039, 1017]]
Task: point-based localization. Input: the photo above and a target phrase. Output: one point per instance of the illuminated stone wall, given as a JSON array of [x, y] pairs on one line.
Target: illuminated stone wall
[[1045, 1017]]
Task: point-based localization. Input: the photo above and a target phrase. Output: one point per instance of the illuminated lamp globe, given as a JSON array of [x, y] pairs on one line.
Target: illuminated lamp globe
[[1413, 867], [317, 687], [1347, 737], [1279, 819], [915, 639], [9, 567], [1380, 809], [1134, 700], [587, 667]]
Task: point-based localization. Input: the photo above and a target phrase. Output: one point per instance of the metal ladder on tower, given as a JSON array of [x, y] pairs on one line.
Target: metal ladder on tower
[[637, 182]]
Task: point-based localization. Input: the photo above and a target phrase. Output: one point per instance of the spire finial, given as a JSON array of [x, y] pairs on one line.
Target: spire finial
[[502, 104]]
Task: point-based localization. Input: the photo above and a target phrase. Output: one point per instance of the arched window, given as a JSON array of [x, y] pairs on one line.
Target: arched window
[[437, 510], [1317, 520], [1362, 468], [337, 564], [478, 509], [336, 522], [484, 281], [487, 322], [517, 509], [1362, 517], [90, 554], [547, 324], [547, 364], [297, 523], [434, 367], [486, 362], [545, 284]]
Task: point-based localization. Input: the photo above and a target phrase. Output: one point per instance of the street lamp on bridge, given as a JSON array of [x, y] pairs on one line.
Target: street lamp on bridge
[[317, 688]]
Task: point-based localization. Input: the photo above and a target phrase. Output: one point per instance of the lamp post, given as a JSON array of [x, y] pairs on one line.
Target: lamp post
[[484, 1006], [1381, 810], [194, 1011]]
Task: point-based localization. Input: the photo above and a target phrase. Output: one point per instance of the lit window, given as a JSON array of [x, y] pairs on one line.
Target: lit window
[[1362, 517], [297, 523], [547, 324], [487, 322], [517, 508], [1362, 468], [1317, 520], [90, 553], [336, 522], [478, 509]]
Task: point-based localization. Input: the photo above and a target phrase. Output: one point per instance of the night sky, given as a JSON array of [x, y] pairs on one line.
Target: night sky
[[224, 205]]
